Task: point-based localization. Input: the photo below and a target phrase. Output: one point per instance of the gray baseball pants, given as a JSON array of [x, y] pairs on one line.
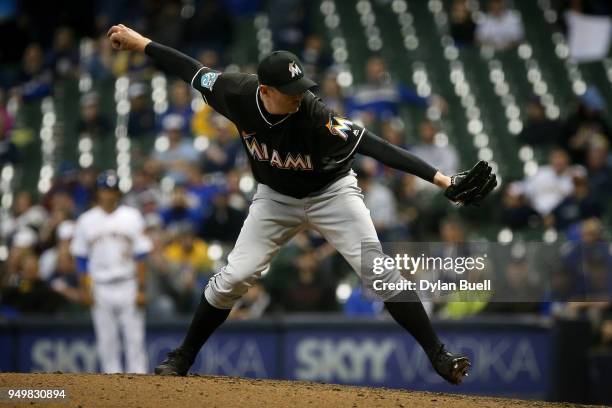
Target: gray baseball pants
[[338, 213]]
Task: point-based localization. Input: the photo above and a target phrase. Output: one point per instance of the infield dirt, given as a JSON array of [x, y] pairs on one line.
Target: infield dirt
[[125, 390]]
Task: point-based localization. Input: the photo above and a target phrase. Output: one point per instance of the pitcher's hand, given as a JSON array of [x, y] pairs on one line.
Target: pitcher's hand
[[125, 39]]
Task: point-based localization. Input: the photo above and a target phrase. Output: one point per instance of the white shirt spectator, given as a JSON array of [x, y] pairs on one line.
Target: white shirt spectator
[[547, 188], [180, 150], [500, 31], [47, 264], [444, 158], [381, 203]]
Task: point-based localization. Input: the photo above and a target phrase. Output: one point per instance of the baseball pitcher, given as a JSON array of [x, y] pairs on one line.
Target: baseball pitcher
[[301, 154]]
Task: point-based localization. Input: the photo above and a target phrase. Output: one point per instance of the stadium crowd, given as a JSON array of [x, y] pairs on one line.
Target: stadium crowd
[[194, 198]]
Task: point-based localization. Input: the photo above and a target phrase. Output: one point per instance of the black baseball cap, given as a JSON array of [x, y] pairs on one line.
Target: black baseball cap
[[283, 70]]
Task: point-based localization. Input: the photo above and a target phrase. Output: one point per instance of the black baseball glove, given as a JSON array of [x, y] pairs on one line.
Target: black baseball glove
[[472, 186]]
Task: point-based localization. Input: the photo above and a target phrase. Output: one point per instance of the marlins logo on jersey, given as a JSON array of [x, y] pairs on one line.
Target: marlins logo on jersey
[[340, 126]]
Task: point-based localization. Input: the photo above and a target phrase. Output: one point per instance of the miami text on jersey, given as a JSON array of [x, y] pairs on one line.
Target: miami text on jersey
[[282, 161]]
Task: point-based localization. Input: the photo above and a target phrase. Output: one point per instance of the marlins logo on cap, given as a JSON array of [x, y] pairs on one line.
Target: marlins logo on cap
[[283, 71], [294, 69]]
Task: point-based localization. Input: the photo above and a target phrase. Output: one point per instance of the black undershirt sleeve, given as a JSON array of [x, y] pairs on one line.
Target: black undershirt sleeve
[[395, 157], [172, 61]]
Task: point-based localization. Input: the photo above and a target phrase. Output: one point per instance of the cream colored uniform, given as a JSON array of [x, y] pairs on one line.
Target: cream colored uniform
[[111, 242]]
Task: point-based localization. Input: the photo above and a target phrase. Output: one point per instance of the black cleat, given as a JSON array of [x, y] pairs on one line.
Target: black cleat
[[450, 367], [177, 363]]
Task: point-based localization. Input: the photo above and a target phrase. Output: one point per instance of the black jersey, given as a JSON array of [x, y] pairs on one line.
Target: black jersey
[[296, 154]]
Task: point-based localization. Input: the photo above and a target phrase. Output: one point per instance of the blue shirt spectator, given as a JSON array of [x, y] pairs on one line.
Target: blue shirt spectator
[[380, 97]]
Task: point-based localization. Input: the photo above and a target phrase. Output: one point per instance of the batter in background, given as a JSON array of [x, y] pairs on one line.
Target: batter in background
[[301, 154], [110, 246]]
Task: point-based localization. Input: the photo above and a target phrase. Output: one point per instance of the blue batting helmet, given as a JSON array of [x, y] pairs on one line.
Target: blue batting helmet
[[108, 179]]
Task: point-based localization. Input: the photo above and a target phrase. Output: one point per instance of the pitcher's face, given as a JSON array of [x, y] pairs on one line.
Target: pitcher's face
[[280, 103]]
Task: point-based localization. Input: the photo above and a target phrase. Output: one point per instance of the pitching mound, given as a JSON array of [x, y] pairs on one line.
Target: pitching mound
[[97, 390]]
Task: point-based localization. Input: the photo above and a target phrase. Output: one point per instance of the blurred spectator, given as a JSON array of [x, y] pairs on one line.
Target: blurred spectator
[[189, 253], [202, 122], [516, 212], [378, 199], [137, 66], [589, 262], [462, 27], [283, 272], [380, 97], [519, 283], [599, 171], [35, 79], [58, 214], [224, 149], [73, 187], [64, 280], [181, 210], [414, 205], [586, 126], [84, 192], [210, 27], [210, 58], [591, 7], [331, 93], [459, 304], [179, 153], [164, 23], [315, 58], [238, 199], [8, 150], [580, 205], [551, 183], [605, 334], [41, 19], [49, 257], [312, 290], [444, 157], [141, 121], [26, 213], [24, 241], [539, 130], [252, 304], [64, 55], [358, 304], [180, 104], [29, 294], [242, 8], [499, 27], [288, 23], [92, 122], [13, 27], [224, 222], [201, 190], [392, 132], [452, 233], [144, 194], [60, 267], [164, 290], [98, 59]]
